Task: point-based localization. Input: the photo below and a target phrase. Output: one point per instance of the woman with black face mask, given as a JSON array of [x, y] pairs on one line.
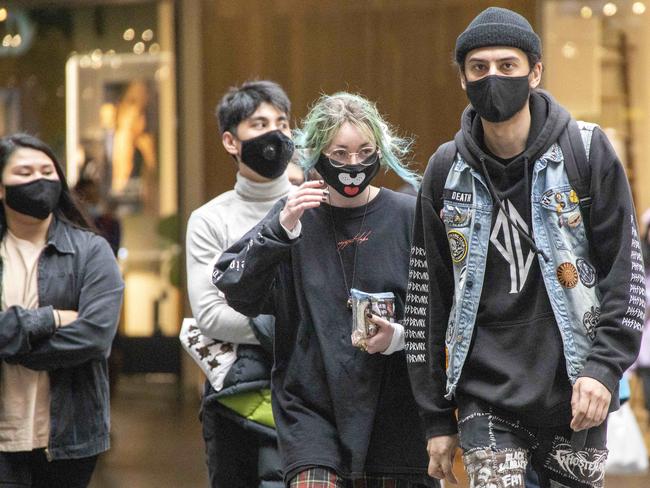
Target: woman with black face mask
[[342, 402], [60, 301]]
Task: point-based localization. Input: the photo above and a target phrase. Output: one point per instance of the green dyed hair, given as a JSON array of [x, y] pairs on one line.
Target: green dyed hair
[[330, 112]]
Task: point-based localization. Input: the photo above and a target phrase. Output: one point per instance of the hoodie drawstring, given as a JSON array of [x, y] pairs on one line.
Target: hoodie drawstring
[[527, 237]]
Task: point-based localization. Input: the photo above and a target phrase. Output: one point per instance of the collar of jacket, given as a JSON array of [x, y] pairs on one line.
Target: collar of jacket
[[58, 236]]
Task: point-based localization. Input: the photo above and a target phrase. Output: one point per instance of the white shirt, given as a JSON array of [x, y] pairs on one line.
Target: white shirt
[[24, 393], [212, 229]]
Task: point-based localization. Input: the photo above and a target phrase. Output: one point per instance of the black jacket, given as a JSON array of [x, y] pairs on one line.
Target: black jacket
[[76, 271], [334, 406]]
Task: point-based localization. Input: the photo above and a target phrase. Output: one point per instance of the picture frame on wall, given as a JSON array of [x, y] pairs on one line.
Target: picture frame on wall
[[113, 128]]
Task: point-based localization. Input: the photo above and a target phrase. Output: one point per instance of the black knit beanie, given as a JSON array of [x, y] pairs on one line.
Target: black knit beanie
[[497, 26]]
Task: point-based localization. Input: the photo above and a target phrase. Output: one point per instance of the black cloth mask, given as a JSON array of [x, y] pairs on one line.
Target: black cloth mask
[[497, 98], [37, 198], [349, 180], [268, 155]]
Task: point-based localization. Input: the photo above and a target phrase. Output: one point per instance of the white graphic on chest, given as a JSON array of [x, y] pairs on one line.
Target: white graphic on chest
[[346, 179], [510, 246]]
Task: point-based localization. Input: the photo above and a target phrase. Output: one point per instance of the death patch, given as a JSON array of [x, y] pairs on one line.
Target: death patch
[[457, 246], [458, 196], [567, 275], [586, 272]]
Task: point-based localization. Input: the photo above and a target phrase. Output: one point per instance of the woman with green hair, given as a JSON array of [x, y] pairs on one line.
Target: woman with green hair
[[342, 402]]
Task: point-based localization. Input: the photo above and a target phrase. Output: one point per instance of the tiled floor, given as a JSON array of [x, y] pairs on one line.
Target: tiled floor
[[157, 441], [156, 438]]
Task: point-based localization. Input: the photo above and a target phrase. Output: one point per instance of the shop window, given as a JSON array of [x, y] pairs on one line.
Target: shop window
[[121, 154], [595, 65]]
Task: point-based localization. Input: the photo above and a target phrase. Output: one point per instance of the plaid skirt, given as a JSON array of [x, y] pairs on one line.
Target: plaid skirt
[[326, 478]]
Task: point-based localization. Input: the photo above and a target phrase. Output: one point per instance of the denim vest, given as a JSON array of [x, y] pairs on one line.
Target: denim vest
[[558, 231]]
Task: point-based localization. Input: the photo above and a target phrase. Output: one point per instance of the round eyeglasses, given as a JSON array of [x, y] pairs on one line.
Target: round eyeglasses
[[341, 157]]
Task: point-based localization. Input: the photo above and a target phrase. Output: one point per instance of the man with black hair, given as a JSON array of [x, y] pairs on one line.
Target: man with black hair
[[527, 296], [238, 427]]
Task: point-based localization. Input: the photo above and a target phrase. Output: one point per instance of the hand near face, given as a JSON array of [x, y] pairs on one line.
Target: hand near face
[[308, 195]]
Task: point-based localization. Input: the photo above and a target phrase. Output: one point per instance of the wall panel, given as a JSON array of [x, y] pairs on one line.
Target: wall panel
[[397, 53]]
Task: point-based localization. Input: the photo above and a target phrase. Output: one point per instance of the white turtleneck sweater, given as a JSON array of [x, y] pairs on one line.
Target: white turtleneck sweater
[[212, 229]]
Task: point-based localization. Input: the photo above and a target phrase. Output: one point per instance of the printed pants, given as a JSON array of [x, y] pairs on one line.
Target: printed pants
[[497, 449], [326, 478]]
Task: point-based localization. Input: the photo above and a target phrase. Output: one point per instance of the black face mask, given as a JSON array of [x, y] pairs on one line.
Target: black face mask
[[349, 180], [268, 155], [37, 198], [497, 98]]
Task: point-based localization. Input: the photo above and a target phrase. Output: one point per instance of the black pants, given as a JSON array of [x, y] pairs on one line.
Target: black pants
[[32, 469], [238, 457], [497, 449]]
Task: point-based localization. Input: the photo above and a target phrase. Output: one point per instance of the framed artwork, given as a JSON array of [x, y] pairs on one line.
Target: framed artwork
[[113, 128], [121, 163]]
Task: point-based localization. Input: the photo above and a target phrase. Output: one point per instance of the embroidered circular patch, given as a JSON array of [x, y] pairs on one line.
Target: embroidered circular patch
[[457, 246], [586, 272], [567, 275]]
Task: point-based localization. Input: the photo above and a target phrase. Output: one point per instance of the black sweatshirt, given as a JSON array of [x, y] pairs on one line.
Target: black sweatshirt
[[516, 360], [514, 313], [334, 405]]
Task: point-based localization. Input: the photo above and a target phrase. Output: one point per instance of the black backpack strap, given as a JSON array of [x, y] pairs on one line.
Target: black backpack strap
[[575, 146], [441, 162], [576, 163]]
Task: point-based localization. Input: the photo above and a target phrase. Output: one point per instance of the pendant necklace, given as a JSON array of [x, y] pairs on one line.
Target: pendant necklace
[[356, 248]]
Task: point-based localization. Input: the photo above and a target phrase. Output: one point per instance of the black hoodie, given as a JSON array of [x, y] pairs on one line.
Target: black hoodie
[[516, 358], [514, 313]]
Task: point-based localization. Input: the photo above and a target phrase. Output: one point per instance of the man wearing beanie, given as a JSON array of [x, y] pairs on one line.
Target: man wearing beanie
[[527, 295]]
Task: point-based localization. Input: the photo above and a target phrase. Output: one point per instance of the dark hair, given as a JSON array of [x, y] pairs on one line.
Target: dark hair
[[240, 102], [67, 208]]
